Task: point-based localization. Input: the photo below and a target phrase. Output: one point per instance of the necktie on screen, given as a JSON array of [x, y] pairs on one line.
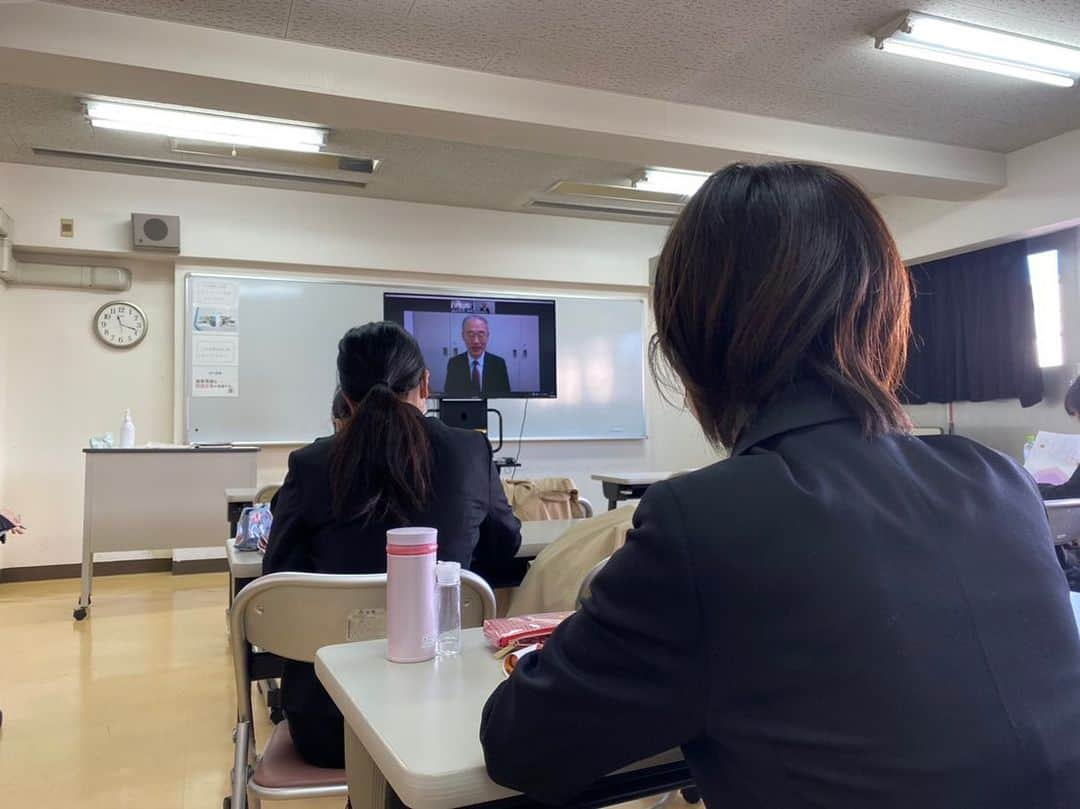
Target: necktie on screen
[[476, 373]]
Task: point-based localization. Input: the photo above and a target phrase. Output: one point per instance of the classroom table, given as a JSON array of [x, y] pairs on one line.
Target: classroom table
[[244, 567], [619, 486], [415, 728], [156, 499]]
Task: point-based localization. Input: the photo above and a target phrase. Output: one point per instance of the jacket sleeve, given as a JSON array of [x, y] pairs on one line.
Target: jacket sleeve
[[500, 532], [622, 679], [287, 548]]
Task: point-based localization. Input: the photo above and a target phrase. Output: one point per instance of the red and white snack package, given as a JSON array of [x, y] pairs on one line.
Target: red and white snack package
[[502, 632]]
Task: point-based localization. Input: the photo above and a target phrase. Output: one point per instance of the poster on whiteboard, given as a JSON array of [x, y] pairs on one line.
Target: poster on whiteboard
[[210, 381], [216, 293], [215, 349]]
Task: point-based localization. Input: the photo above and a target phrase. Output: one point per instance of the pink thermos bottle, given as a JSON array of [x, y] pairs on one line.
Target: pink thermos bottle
[[411, 625]]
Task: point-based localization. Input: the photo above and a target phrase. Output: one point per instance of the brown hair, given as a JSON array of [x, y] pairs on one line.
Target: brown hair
[[380, 461], [774, 273]]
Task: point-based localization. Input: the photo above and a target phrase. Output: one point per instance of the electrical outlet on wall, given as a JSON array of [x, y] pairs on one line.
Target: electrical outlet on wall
[[67, 228]]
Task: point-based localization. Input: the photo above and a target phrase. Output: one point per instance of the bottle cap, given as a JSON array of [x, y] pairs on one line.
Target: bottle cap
[[412, 536], [448, 572]]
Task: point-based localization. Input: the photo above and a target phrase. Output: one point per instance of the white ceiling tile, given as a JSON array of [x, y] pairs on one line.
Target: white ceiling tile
[[810, 60], [261, 17]]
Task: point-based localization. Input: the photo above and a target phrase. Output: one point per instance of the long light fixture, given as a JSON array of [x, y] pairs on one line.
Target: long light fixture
[[961, 44], [205, 126], [671, 181]]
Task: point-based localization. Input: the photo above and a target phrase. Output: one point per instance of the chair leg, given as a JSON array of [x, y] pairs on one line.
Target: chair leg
[[240, 765]]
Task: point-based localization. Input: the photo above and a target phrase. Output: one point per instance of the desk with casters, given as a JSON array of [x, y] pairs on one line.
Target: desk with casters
[[133, 500]]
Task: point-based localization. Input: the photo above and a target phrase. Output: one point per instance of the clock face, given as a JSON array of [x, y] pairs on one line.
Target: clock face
[[121, 324]]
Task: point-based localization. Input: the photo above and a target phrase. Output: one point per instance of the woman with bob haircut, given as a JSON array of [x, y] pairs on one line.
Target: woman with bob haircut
[[839, 615]]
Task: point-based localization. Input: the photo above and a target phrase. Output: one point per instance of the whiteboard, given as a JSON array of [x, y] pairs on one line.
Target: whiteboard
[[260, 361]]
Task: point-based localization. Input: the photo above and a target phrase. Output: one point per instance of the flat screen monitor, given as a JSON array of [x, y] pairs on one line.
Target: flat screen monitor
[[481, 348]]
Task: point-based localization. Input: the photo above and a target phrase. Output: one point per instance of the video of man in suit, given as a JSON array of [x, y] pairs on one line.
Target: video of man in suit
[[481, 348]]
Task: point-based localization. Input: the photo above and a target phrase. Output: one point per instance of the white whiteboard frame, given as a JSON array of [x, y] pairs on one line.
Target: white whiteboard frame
[[184, 273]]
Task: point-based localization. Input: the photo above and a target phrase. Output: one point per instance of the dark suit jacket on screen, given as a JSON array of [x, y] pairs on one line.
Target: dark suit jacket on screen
[[824, 620], [476, 528], [496, 379]]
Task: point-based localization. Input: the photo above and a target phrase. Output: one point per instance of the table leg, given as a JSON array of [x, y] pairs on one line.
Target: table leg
[[87, 571], [611, 492], [367, 787]]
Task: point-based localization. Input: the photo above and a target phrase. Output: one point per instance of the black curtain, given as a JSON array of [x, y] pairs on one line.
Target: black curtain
[[973, 325]]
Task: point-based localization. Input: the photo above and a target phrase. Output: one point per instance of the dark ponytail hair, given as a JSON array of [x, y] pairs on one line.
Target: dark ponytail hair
[[380, 462]]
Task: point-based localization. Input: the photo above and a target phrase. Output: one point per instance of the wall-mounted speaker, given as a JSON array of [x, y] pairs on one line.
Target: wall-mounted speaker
[[154, 232]]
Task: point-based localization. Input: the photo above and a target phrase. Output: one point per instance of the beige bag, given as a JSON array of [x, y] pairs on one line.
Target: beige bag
[[543, 499], [553, 580]]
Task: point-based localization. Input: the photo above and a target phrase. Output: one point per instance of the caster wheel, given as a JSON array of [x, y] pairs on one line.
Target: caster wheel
[[227, 803], [276, 715], [79, 613], [691, 795]]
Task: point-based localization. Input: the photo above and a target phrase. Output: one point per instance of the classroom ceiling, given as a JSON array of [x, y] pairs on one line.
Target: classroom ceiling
[[411, 168], [802, 60]]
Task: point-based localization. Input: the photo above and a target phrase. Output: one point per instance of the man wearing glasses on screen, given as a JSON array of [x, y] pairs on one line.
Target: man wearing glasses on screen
[[477, 373]]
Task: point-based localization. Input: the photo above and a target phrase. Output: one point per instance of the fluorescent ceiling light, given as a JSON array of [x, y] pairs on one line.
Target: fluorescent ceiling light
[[950, 42], [672, 181], [207, 127]]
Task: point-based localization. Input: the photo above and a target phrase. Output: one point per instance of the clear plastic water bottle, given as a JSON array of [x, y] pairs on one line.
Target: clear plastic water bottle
[[448, 599]]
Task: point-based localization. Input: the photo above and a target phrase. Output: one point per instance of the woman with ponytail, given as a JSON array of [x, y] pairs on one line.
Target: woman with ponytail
[[385, 467]]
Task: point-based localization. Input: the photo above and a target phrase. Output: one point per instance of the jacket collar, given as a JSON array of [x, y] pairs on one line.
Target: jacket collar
[[805, 403]]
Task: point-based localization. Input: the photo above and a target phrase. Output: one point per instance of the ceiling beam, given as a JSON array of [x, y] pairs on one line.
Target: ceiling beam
[[84, 51]]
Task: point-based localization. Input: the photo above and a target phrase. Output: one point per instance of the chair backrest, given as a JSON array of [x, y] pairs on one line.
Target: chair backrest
[[265, 494], [586, 584], [293, 615]]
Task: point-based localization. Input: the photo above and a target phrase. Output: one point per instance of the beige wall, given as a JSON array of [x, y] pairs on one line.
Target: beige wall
[[4, 497], [70, 386], [1042, 194], [64, 386]]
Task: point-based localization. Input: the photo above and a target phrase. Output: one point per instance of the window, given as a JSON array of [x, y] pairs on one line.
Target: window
[[1046, 295]]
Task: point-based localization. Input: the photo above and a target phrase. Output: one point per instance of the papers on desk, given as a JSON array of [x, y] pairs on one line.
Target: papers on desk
[[1053, 458]]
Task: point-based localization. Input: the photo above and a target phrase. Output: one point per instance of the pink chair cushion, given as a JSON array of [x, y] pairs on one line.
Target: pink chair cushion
[[281, 767]]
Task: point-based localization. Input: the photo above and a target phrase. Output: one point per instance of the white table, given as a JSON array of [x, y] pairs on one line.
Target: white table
[[538, 534], [620, 486], [156, 499], [417, 725]]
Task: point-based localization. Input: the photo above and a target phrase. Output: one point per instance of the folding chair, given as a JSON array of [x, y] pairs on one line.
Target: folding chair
[[293, 615]]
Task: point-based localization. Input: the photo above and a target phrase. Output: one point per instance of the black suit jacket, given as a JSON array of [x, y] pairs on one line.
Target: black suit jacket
[[476, 528], [824, 620], [494, 383]]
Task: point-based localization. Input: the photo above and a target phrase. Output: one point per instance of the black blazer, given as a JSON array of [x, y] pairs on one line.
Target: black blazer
[[476, 528], [494, 383], [823, 620]]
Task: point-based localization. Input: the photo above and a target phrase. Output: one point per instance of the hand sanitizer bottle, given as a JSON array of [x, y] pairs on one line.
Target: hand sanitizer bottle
[[127, 432]]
